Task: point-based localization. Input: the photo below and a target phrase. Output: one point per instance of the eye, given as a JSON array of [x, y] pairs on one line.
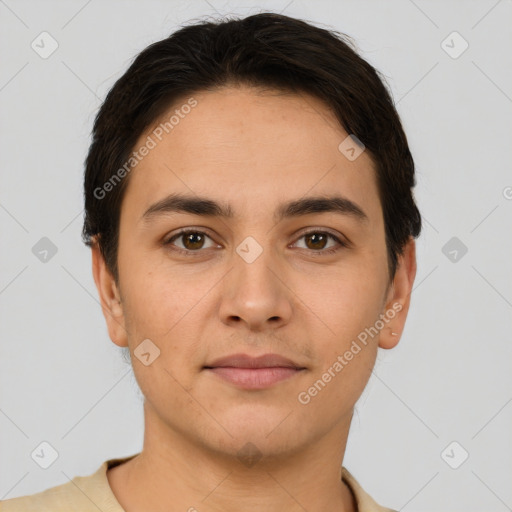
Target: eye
[[191, 241], [317, 241]]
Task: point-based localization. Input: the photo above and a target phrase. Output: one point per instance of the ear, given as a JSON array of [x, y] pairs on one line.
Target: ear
[[399, 297], [110, 298]]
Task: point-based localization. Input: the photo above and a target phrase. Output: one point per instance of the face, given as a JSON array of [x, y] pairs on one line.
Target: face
[[295, 267]]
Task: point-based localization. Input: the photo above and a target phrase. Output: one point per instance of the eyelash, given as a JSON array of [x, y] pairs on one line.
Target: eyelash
[[196, 231]]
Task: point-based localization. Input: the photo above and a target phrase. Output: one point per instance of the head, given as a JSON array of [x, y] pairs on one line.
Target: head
[[280, 150]]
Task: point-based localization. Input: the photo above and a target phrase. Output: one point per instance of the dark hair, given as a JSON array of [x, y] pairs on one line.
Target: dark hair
[[264, 50]]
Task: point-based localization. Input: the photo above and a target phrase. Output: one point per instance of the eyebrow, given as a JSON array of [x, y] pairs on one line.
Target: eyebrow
[[195, 205]]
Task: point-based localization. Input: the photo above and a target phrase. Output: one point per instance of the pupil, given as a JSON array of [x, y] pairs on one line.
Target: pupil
[[190, 240], [318, 237]]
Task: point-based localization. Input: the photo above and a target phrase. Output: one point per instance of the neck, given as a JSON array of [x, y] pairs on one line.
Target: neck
[[174, 471]]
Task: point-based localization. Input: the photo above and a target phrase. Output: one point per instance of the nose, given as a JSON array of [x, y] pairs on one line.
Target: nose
[[255, 294]]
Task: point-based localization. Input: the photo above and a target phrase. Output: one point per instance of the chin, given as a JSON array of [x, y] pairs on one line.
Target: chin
[[267, 434], [250, 448]]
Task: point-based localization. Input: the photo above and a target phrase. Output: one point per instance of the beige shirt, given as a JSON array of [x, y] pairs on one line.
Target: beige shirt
[[92, 493]]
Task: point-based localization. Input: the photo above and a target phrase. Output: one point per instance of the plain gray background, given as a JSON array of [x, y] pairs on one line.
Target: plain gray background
[[64, 382]]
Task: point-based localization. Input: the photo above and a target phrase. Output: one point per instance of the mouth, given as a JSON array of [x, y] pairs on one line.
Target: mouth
[[254, 373]]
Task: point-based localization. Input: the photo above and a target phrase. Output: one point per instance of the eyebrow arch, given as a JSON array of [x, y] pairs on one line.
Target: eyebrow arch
[[180, 203]]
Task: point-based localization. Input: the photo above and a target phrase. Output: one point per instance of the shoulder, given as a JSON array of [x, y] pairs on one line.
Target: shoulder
[[82, 494], [365, 503], [59, 498]]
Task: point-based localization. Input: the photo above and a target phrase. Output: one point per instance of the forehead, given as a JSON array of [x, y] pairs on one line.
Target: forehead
[[250, 148]]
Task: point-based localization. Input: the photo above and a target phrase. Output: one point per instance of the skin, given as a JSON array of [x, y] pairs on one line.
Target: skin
[[253, 150]]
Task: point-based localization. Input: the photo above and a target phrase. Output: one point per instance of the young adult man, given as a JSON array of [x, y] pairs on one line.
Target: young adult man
[[250, 213]]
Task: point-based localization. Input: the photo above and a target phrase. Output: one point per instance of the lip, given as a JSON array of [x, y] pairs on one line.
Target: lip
[[247, 361], [249, 372]]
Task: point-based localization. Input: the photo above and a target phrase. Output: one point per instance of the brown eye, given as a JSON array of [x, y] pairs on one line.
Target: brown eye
[[189, 241], [193, 240], [317, 241]]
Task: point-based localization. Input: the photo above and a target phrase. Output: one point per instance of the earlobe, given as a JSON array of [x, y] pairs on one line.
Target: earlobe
[[110, 299], [389, 338], [399, 297]]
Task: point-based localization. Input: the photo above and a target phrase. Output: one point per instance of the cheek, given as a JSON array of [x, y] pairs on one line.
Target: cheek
[[346, 305], [169, 309], [159, 311], [155, 297], [344, 308], [346, 301], [147, 307]]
